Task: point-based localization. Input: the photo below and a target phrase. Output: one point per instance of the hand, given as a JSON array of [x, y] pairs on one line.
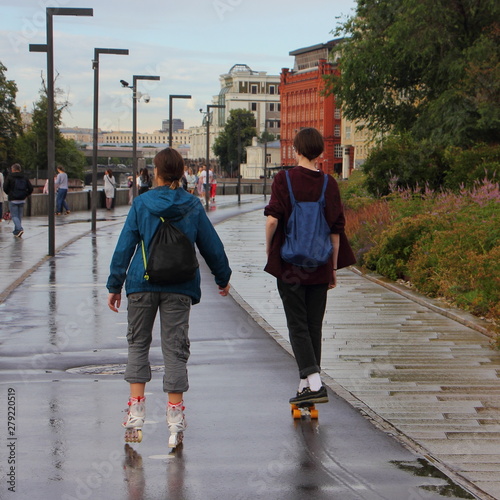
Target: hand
[[224, 290], [333, 281], [114, 301]]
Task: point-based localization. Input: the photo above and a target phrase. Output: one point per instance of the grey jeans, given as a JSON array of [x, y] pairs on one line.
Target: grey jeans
[[174, 325]]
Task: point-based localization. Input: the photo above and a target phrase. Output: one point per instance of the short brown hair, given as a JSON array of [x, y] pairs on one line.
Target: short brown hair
[[309, 143], [169, 165]]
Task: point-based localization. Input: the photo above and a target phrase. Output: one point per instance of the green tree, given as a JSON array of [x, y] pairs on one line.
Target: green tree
[[31, 149], [266, 137], [429, 67], [240, 124], [10, 118]]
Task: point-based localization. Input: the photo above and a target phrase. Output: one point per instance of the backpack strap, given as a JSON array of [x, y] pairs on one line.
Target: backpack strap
[[325, 183], [292, 197], [144, 257]]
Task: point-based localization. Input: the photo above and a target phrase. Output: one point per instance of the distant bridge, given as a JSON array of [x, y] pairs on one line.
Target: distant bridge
[[121, 152]]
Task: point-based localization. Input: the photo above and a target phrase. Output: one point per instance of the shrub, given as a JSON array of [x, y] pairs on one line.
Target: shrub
[[364, 226], [467, 167], [461, 262], [403, 162], [390, 257], [447, 244]]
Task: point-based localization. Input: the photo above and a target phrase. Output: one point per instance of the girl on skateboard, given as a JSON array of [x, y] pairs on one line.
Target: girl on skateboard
[[303, 290]]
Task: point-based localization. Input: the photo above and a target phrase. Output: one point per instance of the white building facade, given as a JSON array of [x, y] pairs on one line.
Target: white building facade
[[241, 88]]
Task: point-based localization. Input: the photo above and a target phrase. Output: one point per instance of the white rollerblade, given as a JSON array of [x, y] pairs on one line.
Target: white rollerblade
[[136, 414], [176, 422]]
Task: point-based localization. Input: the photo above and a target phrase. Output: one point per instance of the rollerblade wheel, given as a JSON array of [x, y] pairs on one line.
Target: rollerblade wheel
[[314, 414], [296, 413], [133, 435]]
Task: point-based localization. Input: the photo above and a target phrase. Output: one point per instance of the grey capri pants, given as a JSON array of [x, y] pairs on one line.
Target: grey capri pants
[[174, 326]]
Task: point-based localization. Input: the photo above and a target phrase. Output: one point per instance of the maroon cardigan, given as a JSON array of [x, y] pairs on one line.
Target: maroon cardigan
[[307, 185]]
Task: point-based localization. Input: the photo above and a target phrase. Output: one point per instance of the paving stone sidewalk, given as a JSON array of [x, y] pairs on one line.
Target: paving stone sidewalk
[[430, 380]]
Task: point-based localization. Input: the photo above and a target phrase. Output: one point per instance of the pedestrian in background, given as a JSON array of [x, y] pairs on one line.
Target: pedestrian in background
[[170, 201], [18, 188], [3, 196], [145, 182], [61, 185], [191, 180], [200, 177], [130, 185], [213, 185], [109, 188], [304, 290]]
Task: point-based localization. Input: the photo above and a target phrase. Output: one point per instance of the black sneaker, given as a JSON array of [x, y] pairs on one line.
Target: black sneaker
[[308, 396]]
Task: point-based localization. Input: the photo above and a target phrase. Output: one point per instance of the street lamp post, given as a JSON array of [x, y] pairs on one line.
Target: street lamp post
[[135, 96], [95, 67], [49, 49], [207, 180], [239, 158], [171, 97], [265, 156]]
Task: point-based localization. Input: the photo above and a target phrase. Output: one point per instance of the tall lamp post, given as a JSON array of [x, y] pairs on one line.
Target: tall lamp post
[[49, 49], [95, 67], [171, 97], [135, 97], [265, 156], [207, 180]]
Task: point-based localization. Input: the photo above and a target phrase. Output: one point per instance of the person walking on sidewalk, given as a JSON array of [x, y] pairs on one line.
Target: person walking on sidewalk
[[303, 290], [18, 188], [3, 196], [61, 185], [168, 200]]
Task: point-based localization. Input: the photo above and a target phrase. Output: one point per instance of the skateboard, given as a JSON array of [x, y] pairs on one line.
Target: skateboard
[[303, 410]]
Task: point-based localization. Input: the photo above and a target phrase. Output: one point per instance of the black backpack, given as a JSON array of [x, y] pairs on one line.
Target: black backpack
[[171, 258], [21, 189]]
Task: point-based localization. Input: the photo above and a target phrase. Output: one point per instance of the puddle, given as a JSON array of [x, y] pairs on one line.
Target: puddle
[[422, 468]]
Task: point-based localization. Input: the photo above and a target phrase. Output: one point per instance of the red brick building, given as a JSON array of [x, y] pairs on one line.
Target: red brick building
[[303, 105]]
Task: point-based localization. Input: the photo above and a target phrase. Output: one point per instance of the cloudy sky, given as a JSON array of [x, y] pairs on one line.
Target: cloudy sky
[[188, 43]]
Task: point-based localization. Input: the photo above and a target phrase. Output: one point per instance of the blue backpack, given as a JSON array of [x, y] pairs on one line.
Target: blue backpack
[[307, 241]]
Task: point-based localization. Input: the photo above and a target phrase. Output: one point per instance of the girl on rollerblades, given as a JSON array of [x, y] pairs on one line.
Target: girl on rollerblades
[[169, 201]]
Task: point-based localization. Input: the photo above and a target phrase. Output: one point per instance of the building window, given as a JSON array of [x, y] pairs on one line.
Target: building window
[[348, 132], [254, 106], [279, 107], [338, 151], [272, 89], [253, 89], [337, 114], [336, 132], [271, 106]]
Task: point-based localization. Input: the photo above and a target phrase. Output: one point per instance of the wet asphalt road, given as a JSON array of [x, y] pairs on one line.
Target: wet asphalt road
[[62, 354]]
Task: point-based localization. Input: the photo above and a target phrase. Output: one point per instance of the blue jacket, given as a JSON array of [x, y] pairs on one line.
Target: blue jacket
[[185, 212]]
